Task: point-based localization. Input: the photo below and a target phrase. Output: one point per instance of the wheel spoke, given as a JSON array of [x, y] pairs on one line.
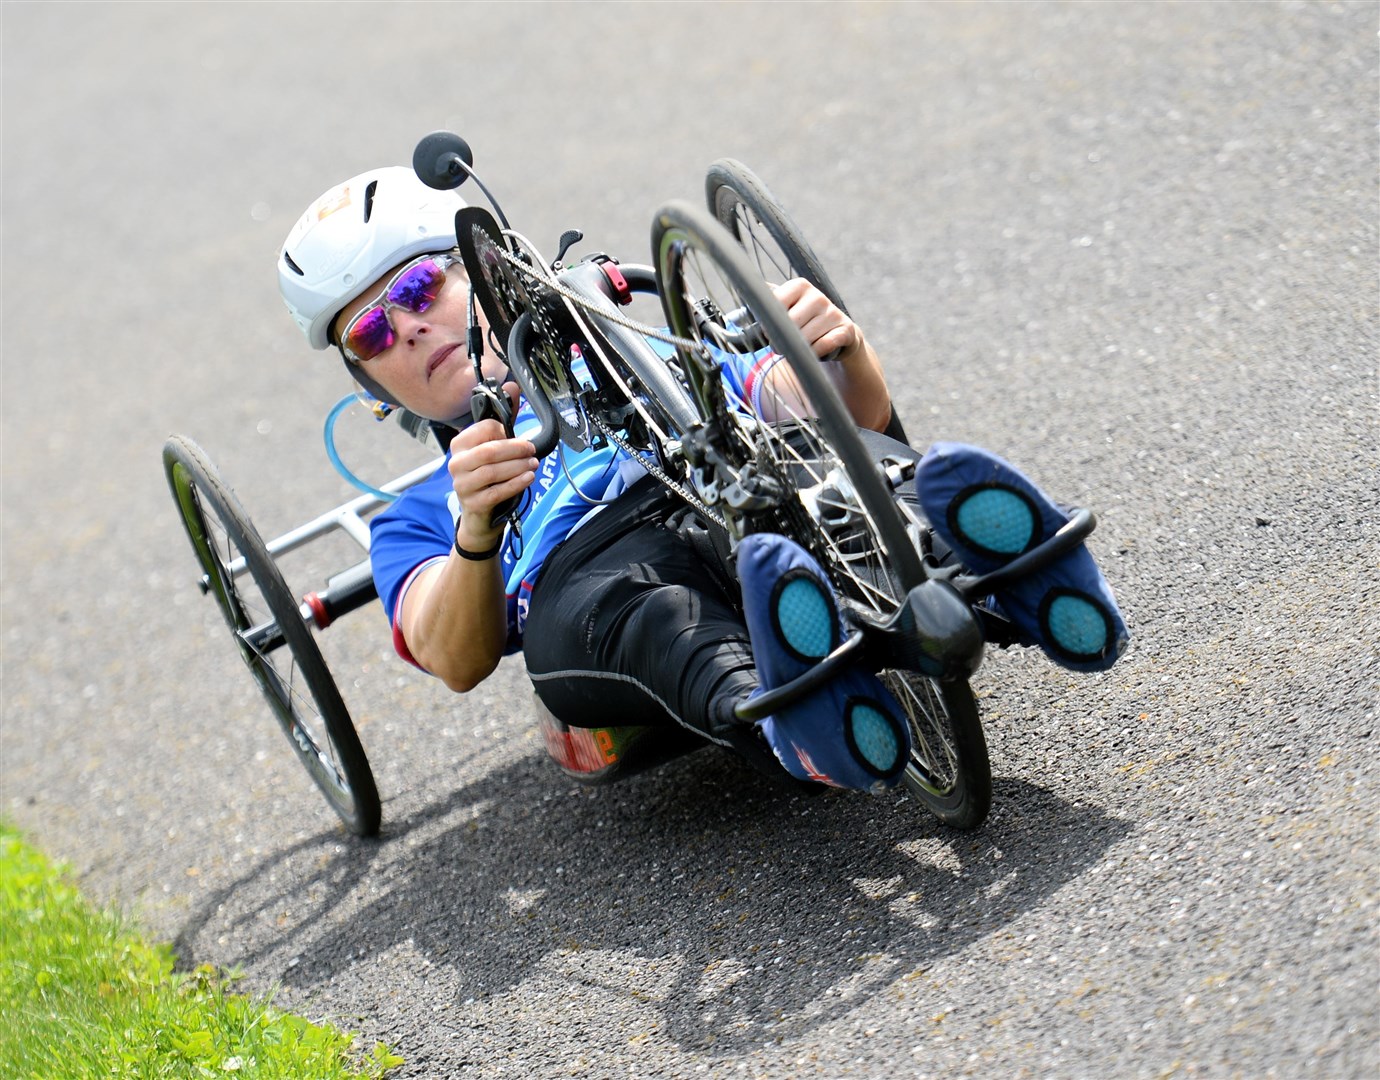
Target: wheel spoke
[[751, 230], [297, 703]]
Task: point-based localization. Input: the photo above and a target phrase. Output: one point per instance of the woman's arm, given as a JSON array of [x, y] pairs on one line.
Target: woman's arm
[[857, 371], [454, 616]]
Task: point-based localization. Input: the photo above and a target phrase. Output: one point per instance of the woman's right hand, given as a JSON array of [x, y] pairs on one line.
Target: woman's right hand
[[486, 469]]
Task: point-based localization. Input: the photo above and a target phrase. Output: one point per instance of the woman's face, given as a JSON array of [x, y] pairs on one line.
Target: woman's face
[[427, 368]]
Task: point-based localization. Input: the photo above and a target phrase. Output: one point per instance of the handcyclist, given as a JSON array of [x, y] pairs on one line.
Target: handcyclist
[[624, 611]]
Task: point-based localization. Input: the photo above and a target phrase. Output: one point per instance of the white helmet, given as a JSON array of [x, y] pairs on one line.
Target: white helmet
[[353, 234]]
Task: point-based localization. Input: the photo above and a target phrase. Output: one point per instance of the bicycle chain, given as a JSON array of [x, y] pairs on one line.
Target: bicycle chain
[[660, 474], [548, 279], [624, 321]]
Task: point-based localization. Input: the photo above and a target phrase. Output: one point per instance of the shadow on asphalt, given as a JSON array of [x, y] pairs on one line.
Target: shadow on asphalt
[[736, 910]]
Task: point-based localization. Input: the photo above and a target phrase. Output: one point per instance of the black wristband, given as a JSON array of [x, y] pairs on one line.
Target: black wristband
[[482, 556]]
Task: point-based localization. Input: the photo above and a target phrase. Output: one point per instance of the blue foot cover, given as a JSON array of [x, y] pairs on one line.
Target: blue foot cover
[[989, 513], [849, 733]]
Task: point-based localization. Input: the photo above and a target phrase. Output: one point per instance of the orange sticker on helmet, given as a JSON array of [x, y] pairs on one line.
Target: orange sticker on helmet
[[331, 202]]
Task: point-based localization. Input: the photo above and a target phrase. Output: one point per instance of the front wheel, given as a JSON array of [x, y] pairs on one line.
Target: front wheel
[[272, 638], [789, 459], [949, 770], [774, 243]]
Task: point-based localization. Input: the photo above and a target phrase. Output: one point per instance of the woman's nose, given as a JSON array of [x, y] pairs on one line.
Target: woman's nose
[[408, 325]]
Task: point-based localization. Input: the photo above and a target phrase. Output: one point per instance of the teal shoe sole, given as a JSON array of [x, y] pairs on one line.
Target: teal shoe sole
[[804, 616], [1076, 624], [874, 738], [998, 521]]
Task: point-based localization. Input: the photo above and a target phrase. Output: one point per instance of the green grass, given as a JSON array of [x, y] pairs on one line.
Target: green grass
[[81, 995]]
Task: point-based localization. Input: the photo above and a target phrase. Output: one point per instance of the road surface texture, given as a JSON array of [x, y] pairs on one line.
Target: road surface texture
[[1131, 247]]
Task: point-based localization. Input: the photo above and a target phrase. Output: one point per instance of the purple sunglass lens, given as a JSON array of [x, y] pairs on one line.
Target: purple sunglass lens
[[417, 289], [370, 335]]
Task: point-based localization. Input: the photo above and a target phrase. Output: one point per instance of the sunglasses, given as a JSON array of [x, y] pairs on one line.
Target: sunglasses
[[414, 288]]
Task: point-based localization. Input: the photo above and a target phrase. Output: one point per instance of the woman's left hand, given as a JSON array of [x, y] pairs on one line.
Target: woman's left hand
[[826, 328], [833, 336]]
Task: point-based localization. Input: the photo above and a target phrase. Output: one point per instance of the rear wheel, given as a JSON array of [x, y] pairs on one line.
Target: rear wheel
[[273, 640], [807, 474]]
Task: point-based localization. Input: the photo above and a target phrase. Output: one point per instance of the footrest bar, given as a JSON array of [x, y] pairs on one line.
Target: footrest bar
[[1074, 532], [772, 701]]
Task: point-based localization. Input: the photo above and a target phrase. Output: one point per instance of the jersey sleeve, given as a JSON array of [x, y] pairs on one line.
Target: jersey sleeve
[[413, 531], [744, 373]]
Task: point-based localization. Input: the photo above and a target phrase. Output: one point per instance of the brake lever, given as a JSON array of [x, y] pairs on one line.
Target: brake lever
[[489, 402]]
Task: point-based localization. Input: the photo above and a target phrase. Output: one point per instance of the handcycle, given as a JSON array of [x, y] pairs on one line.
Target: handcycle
[[789, 460]]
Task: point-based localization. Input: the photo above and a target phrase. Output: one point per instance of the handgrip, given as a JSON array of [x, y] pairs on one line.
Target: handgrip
[[546, 437]]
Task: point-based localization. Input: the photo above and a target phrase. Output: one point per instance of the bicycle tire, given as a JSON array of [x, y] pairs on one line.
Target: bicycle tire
[[841, 510], [744, 205], [774, 242], [318, 726]]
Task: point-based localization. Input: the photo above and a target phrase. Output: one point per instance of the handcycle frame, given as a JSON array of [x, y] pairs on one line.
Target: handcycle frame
[[351, 589], [935, 628]]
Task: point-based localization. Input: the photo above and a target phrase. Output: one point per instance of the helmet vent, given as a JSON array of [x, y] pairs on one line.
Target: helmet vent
[[295, 268], [369, 200]]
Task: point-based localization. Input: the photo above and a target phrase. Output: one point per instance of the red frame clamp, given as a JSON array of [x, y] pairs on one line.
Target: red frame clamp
[[621, 292]]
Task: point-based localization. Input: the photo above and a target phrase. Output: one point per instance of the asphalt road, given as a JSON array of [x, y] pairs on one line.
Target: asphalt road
[[1131, 247]]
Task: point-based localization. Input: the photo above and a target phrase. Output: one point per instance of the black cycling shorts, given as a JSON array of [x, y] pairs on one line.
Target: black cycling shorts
[[636, 618], [634, 621]]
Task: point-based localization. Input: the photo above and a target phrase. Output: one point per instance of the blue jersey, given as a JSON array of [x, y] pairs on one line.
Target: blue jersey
[[419, 528]]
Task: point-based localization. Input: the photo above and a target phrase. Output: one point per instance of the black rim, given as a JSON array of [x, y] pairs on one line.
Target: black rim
[[773, 241]]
